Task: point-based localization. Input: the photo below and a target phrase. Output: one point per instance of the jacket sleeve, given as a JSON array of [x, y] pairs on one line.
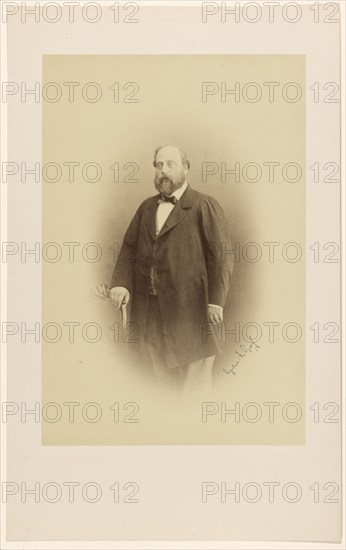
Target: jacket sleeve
[[217, 246], [124, 271]]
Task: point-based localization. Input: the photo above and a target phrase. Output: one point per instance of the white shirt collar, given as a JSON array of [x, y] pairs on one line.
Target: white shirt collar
[[179, 192]]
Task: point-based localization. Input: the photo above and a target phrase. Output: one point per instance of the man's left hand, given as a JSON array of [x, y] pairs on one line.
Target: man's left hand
[[215, 314]]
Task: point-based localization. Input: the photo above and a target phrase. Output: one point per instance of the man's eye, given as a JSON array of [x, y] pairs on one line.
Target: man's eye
[[159, 165]]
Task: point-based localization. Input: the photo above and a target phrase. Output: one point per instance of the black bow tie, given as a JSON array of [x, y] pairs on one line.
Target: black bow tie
[[165, 198]]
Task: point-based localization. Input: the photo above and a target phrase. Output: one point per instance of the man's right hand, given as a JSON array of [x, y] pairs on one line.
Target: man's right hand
[[119, 295]]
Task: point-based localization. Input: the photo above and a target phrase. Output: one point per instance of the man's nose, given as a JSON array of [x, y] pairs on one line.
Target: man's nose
[[165, 169]]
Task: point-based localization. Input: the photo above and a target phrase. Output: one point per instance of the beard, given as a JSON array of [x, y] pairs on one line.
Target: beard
[[167, 185]]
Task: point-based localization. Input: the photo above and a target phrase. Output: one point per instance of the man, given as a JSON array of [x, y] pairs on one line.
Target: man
[[174, 266]]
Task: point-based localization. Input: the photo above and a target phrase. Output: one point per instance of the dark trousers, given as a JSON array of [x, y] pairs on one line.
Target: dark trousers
[[191, 377]]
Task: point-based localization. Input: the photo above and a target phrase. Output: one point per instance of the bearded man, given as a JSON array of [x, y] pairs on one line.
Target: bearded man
[[175, 268]]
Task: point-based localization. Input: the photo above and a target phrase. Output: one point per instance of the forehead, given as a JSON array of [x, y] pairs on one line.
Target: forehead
[[168, 153]]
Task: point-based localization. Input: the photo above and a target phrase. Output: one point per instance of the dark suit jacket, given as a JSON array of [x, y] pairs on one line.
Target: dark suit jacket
[[193, 269]]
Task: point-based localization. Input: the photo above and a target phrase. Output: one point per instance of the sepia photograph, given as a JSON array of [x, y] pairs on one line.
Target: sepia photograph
[[179, 236]]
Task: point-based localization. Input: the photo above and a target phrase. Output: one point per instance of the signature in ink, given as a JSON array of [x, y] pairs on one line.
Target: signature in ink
[[252, 346]]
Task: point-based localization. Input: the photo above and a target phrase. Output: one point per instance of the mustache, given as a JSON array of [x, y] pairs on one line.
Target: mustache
[[163, 178]]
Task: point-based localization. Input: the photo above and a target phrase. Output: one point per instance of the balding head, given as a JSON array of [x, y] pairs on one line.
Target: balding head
[[173, 151]]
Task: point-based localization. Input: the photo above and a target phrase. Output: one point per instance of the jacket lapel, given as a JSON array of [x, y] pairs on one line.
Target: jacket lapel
[[178, 212], [151, 217]]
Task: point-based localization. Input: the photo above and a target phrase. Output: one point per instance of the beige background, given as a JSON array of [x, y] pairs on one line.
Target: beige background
[[170, 110], [170, 477]]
